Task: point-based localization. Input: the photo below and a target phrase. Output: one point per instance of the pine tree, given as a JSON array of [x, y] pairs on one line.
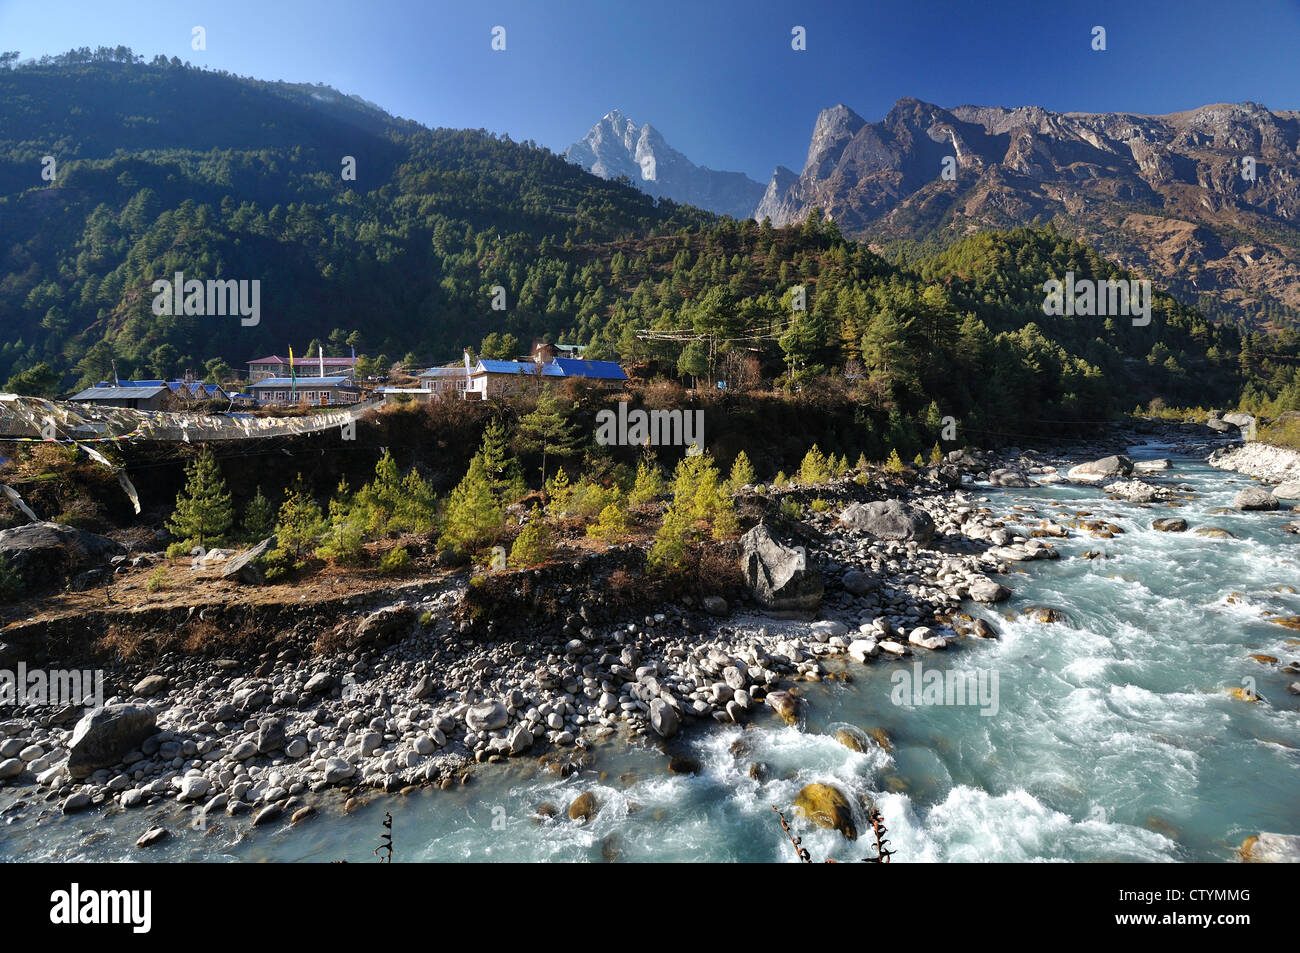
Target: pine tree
[[936, 454], [506, 480], [259, 518], [546, 430], [742, 472], [861, 465], [649, 484], [473, 512], [301, 522], [895, 463], [815, 468], [203, 513]]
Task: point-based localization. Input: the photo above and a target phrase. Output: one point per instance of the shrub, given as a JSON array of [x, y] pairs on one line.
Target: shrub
[[589, 499], [159, 580], [742, 472], [612, 525], [815, 468], [278, 563], [558, 493], [649, 484], [780, 479], [669, 550], [790, 509], [820, 506], [895, 463], [301, 522], [397, 559], [533, 545]]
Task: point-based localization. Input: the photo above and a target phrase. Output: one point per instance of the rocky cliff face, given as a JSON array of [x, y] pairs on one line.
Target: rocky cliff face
[[616, 146], [1164, 195]]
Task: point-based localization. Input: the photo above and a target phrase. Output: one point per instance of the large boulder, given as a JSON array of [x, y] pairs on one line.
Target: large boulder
[[47, 553], [663, 718], [1289, 490], [1107, 468], [826, 806], [105, 735], [889, 519], [777, 575], [1010, 477], [244, 567], [985, 589], [1240, 421], [1254, 498], [486, 716]]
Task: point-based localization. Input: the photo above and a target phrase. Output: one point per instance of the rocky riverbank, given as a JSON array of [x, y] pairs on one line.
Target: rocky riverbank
[[1273, 464], [418, 691]]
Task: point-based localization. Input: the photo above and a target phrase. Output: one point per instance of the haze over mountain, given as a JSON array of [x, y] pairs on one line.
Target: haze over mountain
[[616, 146], [1164, 195]]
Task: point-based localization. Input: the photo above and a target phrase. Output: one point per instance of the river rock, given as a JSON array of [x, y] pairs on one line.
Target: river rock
[[1107, 468], [1254, 498], [487, 716], [716, 606], [244, 568], [988, 590], [193, 787], [1169, 524], [889, 519], [1213, 532], [520, 740], [925, 637], [778, 575], [42, 553], [826, 806], [785, 705], [663, 718], [320, 682], [1290, 490], [149, 686], [863, 649], [1267, 848], [270, 735], [105, 734], [11, 768], [584, 807], [1010, 477], [336, 770], [857, 582], [152, 836]]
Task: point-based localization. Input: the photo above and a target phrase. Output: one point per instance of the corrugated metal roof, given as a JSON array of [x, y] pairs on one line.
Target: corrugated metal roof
[[303, 382], [444, 371], [119, 393], [601, 370]]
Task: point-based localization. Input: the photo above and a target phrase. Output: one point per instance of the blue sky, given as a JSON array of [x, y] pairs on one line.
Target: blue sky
[[719, 79]]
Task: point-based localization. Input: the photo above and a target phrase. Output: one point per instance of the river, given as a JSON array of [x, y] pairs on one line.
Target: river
[[1115, 736]]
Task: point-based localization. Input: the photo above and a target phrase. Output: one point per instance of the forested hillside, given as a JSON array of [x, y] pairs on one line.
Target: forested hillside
[[162, 168]]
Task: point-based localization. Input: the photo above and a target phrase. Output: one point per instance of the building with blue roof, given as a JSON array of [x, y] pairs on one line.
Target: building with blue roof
[[492, 378]]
